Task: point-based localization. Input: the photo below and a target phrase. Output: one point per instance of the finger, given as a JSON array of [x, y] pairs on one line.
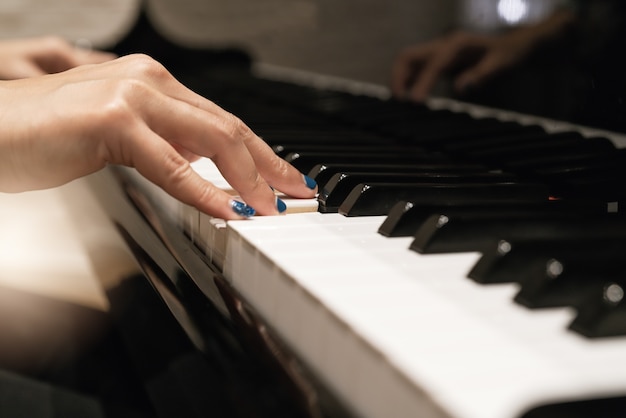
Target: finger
[[226, 128], [159, 162], [217, 135], [212, 132], [185, 153], [279, 173]]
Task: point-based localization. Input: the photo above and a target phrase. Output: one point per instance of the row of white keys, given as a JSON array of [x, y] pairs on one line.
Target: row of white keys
[[396, 333]]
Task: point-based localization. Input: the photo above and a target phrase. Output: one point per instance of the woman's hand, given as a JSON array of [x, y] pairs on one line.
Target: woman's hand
[[131, 111], [22, 58], [472, 59]]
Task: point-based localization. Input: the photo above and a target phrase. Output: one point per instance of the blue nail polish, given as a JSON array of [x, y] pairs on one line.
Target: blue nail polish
[[280, 205], [310, 183], [242, 209]]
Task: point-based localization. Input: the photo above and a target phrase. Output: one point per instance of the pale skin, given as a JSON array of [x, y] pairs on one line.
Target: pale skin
[[132, 111], [474, 58]]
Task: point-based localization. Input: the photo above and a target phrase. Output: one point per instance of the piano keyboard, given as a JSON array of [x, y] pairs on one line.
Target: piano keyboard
[[412, 297]]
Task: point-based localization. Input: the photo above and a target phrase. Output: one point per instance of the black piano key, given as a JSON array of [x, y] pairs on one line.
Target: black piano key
[[524, 151], [600, 180], [328, 135], [322, 173], [352, 108], [344, 105], [441, 233], [603, 312], [566, 280], [378, 199], [306, 161], [399, 115], [351, 146], [566, 164], [405, 218], [561, 165], [437, 133], [532, 133], [505, 261], [338, 187]]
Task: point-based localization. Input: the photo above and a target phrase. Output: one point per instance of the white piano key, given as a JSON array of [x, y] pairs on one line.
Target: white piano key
[[211, 238], [429, 340], [209, 233], [190, 221]]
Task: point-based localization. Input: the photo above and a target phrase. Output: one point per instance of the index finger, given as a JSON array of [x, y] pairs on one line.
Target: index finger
[[249, 164], [159, 162]]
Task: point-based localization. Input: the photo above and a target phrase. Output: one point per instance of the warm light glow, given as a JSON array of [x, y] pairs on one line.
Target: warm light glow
[[512, 11]]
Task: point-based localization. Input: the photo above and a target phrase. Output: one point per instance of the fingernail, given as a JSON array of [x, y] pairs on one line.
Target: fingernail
[[242, 209], [280, 205], [310, 183]]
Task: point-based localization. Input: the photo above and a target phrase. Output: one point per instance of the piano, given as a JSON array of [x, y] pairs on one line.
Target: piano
[[484, 279], [460, 261]]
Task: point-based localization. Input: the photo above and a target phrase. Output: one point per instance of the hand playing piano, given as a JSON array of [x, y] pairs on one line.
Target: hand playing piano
[[22, 58], [132, 111], [471, 59]]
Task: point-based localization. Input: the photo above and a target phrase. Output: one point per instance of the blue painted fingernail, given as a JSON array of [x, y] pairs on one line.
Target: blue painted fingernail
[[242, 209], [310, 183], [280, 205]]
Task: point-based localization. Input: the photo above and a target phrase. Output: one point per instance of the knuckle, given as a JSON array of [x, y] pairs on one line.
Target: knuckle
[[255, 181], [279, 167], [118, 103], [234, 129], [207, 192], [116, 106], [178, 171], [144, 66]]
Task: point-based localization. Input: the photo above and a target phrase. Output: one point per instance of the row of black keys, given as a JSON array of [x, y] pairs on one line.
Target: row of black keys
[[535, 203]]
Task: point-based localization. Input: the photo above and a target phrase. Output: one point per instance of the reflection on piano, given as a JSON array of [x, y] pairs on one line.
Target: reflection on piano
[[456, 264]]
